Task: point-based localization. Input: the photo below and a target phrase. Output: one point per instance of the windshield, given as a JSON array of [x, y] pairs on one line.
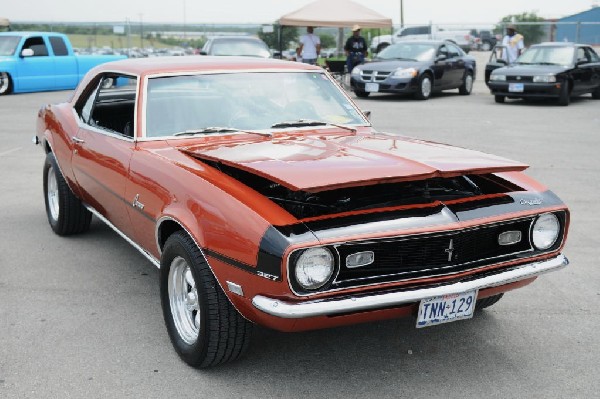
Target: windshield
[[244, 101], [244, 47], [547, 56], [8, 44], [408, 51]]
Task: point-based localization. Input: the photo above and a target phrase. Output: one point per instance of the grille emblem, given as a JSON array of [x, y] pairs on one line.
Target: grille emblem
[[518, 78], [450, 250]]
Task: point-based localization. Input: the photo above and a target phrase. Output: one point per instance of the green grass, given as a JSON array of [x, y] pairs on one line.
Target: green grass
[[113, 41]]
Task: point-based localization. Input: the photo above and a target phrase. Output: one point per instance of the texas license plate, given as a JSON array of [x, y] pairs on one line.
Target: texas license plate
[[516, 87], [372, 87], [446, 308]]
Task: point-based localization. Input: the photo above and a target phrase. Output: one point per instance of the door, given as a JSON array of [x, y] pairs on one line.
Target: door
[[102, 153], [496, 61], [442, 68], [457, 65], [65, 64], [35, 72]]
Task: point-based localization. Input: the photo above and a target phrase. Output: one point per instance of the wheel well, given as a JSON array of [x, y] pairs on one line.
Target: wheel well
[[165, 230]]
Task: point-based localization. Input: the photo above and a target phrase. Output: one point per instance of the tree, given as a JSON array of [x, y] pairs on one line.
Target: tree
[[532, 33], [290, 34]]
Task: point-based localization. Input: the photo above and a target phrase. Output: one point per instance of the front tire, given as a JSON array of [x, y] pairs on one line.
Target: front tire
[[487, 302], [361, 93], [5, 83], [564, 98], [596, 94], [424, 88], [499, 99], [204, 327], [467, 86], [66, 214]]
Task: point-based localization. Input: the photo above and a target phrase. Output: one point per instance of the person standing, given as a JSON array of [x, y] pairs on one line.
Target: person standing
[[514, 44], [310, 47], [355, 48]]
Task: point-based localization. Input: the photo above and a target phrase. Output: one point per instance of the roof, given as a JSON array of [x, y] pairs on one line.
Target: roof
[[591, 15], [31, 33], [557, 44], [149, 66], [335, 13]]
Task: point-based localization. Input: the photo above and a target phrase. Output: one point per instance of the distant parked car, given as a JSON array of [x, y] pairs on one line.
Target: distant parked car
[[483, 40], [556, 70], [416, 67], [236, 45], [38, 61], [461, 38]]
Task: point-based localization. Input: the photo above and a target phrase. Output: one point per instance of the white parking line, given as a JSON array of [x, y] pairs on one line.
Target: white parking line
[[10, 151]]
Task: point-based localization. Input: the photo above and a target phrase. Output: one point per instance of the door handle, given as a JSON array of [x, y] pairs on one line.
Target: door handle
[[77, 140]]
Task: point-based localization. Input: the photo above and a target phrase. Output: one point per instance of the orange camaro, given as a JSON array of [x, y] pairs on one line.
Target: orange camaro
[[265, 196]]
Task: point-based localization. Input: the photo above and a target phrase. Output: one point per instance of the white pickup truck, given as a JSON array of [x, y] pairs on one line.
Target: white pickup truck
[[462, 38]]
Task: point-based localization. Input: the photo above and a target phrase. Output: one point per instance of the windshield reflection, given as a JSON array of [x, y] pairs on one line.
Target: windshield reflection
[[8, 45], [408, 51], [547, 56], [243, 101]]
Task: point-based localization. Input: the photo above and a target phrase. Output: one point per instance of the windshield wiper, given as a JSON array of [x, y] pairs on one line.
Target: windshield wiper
[[547, 63], [218, 129], [308, 122]]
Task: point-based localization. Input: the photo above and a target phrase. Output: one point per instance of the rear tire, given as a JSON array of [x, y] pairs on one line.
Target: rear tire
[[66, 213], [564, 97], [499, 99], [361, 94], [425, 86], [204, 327], [487, 302], [596, 94], [6, 85]]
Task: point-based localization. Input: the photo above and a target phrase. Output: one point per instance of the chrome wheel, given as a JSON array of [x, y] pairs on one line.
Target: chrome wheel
[[183, 299], [52, 194], [4, 82], [426, 87]]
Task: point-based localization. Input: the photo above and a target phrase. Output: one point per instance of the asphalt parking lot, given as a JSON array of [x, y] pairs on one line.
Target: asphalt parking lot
[[81, 317]]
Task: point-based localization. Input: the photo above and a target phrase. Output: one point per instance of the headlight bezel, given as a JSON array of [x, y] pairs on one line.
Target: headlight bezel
[[405, 73], [558, 238], [294, 268], [497, 78], [356, 71], [544, 78]]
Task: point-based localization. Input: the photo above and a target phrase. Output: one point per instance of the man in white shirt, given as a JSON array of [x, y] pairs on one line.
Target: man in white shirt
[[310, 47], [514, 44]]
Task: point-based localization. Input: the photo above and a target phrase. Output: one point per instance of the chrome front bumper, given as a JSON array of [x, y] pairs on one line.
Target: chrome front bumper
[[348, 304]]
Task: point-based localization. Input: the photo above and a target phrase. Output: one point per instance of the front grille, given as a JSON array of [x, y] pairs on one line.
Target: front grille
[[374, 76], [431, 255], [519, 79]]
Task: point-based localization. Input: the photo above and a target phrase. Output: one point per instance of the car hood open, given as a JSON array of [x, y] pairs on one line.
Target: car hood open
[[320, 162]]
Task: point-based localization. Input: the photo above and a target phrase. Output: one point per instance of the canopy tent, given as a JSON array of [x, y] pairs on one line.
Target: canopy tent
[[335, 13]]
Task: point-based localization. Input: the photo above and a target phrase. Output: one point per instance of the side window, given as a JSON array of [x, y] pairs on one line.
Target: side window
[[58, 46], [593, 57], [111, 105], [38, 46], [443, 50], [423, 30], [408, 31], [581, 55], [453, 51]]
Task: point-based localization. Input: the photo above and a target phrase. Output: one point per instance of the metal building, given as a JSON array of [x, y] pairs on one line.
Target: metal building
[[583, 27]]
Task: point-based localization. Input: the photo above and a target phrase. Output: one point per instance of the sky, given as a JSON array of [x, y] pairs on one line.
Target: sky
[[267, 11]]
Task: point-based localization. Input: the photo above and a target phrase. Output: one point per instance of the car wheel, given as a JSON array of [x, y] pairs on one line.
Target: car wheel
[[486, 46], [467, 85], [204, 327], [596, 94], [564, 98], [487, 302], [425, 86], [499, 99], [66, 214], [361, 94], [5, 83]]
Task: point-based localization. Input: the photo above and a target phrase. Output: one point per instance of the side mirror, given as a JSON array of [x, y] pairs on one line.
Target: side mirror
[[502, 61], [582, 61], [203, 53], [27, 53], [441, 57], [367, 114]]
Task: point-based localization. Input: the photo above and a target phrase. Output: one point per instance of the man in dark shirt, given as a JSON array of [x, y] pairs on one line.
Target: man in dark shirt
[[356, 49]]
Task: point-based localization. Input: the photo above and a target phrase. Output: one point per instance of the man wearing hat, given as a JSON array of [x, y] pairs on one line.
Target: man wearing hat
[[514, 44], [356, 49]]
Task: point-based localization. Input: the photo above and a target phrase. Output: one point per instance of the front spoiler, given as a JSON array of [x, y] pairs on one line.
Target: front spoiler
[[349, 304]]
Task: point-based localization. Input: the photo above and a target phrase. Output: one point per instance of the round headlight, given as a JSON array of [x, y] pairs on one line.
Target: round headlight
[[314, 268], [545, 231]]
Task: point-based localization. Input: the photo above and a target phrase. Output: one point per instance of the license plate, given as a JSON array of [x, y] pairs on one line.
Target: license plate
[[516, 87], [372, 87], [446, 308]]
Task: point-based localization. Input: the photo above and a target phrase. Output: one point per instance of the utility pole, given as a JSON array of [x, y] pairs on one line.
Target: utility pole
[[401, 13], [142, 31]]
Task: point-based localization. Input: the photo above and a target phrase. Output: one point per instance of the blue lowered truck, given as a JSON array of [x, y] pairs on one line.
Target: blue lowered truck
[[39, 61]]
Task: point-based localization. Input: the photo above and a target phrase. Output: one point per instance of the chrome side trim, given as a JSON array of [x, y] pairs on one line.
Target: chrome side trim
[[151, 258], [326, 307]]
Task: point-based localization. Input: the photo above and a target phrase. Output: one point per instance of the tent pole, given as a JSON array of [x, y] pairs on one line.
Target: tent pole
[[280, 31]]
